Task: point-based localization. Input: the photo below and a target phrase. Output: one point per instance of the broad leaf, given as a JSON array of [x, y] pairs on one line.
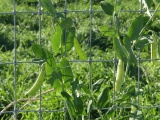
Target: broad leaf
[[47, 4], [135, 28], [65, 95], [37, 50], [57, 38], [120, 50], [103, 98], [140, 44], [85, 89], [107, 7], [81, 54], [131, 57], [66, 70], [71, 108], [41, 52], [78, 103], [69, 43], [74, 84], [107, 31], [66, 23]]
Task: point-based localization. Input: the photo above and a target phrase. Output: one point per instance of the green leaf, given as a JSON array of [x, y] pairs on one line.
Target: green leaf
[[107, 31], [66, 23], [97, 85], [140, 44], [57, 38], [66, 70], [103, 98], [85, 89], [149, 3], [41, 52], [78, 103], [47, 4], [74, 84], [120, 50], [132, 58], [70, 107], [135, 28], [55, 75], [37, 50], [70, 38], [65, 95], [81, 54], [57, 86], [107, 7]]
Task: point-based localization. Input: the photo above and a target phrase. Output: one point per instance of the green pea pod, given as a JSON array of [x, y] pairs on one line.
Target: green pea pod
[[119, 75], [36, 86]]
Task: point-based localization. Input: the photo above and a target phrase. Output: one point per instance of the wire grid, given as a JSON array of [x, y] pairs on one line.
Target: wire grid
[[90, 61]]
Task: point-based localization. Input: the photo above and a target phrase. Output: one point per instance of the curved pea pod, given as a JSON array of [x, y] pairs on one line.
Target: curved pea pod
[[119, 75], [103, 98], [36, 86]]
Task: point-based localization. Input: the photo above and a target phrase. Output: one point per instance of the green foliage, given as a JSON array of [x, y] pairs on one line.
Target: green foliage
[[85, 88]]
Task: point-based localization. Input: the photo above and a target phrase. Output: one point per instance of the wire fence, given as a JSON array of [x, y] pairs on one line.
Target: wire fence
[[90, 61]]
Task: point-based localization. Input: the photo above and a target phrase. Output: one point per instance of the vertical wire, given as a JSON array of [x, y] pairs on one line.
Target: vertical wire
[[65, 35], [141, 7], [65, 30], [138, 102], [15, 63], [40, 32], [90, 54], [139, 60], [114, 92], [115, 69]]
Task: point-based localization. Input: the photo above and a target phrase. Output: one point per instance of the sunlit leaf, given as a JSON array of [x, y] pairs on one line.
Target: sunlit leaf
[[56, 40], [69, 43], [81, 54], [107, 31]]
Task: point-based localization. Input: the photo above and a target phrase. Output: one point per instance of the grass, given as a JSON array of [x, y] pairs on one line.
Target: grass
[[28, 33]]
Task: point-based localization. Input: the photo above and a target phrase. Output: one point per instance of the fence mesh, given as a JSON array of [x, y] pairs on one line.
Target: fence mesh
[[16, 66]]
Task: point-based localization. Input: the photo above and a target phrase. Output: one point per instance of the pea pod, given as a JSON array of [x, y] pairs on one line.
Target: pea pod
[[36, 86], [119, 75]]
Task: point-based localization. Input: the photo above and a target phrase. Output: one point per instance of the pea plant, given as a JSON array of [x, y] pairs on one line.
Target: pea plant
[[79, 99], [104, 100], [136, 38]]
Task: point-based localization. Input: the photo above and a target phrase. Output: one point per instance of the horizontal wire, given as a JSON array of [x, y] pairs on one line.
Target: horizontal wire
[[68, 11]]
